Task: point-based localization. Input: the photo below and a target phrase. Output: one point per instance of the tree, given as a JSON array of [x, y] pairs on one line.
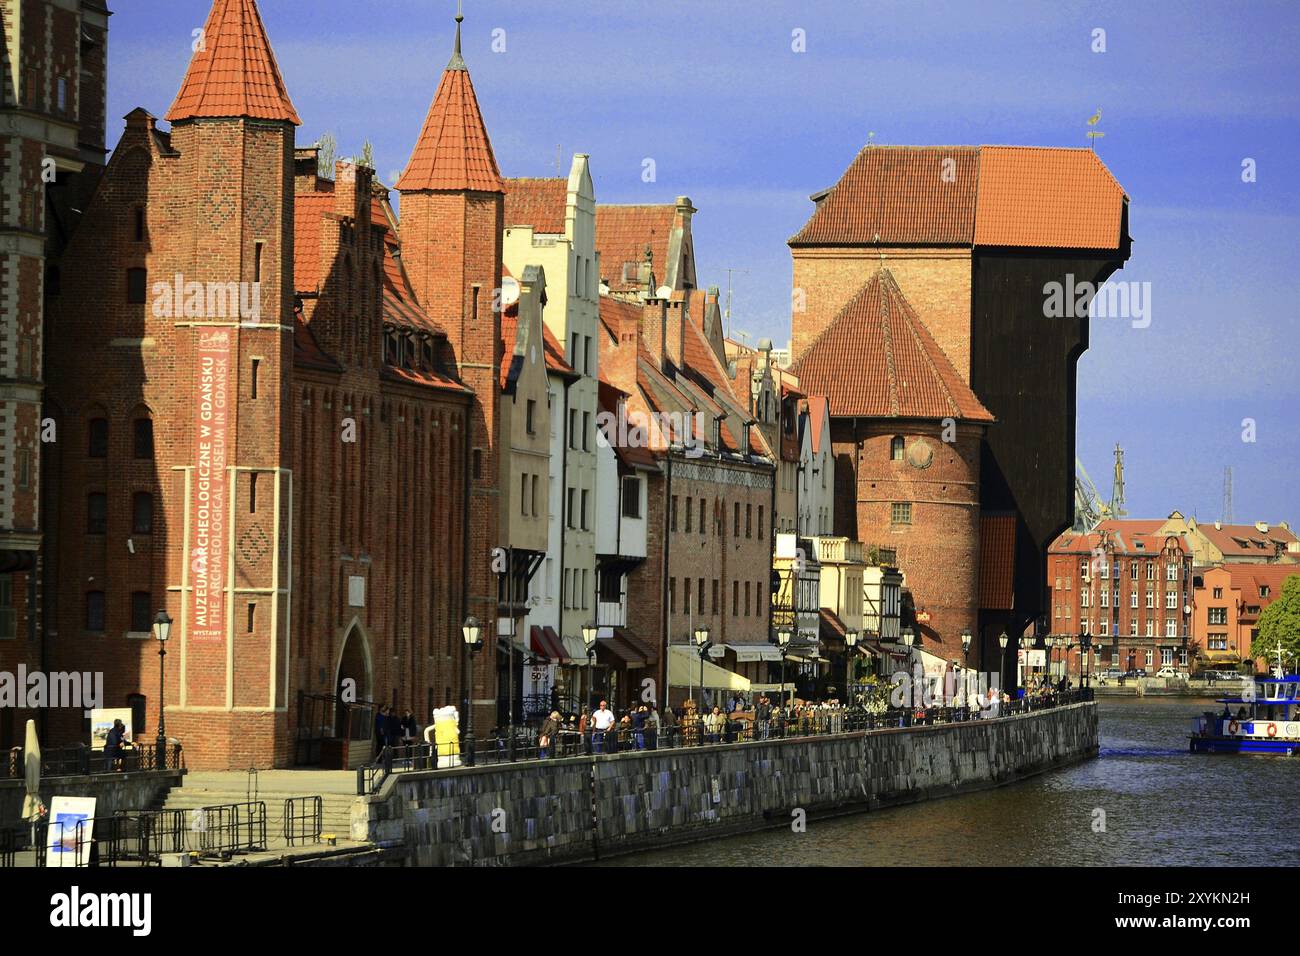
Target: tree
[[367, 157], [327, 146], [1279, 626]]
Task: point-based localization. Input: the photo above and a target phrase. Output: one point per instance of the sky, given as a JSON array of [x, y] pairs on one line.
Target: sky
[[746, 126]]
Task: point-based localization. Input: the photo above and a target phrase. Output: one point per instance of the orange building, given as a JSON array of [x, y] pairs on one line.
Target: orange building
[[1228, 602]]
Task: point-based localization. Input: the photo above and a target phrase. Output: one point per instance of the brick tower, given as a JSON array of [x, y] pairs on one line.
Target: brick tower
[[452, 204]]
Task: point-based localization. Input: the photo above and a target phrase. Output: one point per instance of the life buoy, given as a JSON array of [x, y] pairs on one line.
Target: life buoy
[[1232, 727], [1272, 730]]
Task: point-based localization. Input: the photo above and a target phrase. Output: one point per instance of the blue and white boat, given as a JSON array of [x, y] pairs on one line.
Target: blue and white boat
[[1265, 719]]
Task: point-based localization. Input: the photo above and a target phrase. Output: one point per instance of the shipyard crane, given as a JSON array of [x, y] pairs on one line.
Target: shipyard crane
[[1090, 509]]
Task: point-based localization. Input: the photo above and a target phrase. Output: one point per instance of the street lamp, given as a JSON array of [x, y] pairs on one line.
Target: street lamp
[[850, 644], [783, 636], [472, 632], [589, 634], [702, 647], [162, 630], [966, 638], [1085, 643]]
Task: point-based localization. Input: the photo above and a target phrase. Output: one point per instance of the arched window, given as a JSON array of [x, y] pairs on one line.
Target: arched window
[[97, 441], [142, 437], [896, 448], [94, 610]]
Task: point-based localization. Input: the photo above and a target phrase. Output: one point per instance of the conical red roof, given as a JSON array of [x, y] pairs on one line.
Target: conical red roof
[[235, 73], [453, 151]]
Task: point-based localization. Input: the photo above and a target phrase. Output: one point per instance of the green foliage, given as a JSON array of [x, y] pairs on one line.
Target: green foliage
[[366, 157], [328, 147], [1279, 625]]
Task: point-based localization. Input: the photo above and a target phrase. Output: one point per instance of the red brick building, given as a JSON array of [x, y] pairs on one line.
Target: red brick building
[[52, 105], [277, 418], [1130, 587], [970, 237]]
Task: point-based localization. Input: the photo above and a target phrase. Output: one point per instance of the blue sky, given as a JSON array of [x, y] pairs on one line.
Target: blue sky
[[746, 127]]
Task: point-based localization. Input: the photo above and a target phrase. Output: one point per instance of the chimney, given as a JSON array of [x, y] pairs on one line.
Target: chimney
[[306, 162], [675, 329], [351, 187], [617, 360], [1218, 526], [654, 321]]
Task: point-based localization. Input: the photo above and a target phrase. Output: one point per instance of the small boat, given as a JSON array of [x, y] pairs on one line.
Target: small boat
[[1264, 720]]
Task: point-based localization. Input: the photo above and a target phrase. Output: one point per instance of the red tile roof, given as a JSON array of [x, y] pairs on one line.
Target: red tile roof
[[997, 571], [622, 234], [540, 203], [1019, 196], [608, 397], [1047, 198], [307, 352], [1249, 578], [235, 74], [1245, 540], [877, 360], [453, 151], [900, 194], [1123, 541], [309, 211]]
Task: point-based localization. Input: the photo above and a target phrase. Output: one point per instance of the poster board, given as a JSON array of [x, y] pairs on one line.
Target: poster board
[[101, 722], [70, 817]]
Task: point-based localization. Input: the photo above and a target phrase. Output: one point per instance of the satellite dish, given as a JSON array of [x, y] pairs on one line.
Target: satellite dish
[[509, 291], [664, 291]]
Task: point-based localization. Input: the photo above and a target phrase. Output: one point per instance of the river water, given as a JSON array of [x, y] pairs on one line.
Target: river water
[[1160, 805]]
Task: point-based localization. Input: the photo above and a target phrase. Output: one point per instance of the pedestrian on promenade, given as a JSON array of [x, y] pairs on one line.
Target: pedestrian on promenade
[[602, 722], [763, 716], [638, 727], [548, 734], [113, 745], [409, 729], [670, 729], [381, 729], [652, 727]]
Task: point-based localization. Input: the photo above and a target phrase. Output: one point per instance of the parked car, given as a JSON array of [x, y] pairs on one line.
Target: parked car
[[1113, 674], [1135, 672]]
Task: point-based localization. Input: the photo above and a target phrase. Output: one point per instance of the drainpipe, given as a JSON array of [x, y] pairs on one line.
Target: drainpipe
[[467, 659], [663, 575], [564, 498]]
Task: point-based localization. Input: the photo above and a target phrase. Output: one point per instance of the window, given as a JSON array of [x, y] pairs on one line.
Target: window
[[690, 514], [1151, 570], [735, 598], [585, 526], [96, 513], [529, 423], [747, 592], [523, 495], [533, 496], [586, 431], [1151, 599], [631, 496], [142, 513], [1263, 590], [735, 522], [1218, 593], [1218, 615], [672, 594], [749, 521], [61, 94], [573, 428], [901, 512], [252, 382], [687, 583], [8, 621], [258, 248], [715, 595], [758, 599], [94, 610], [1105, 627], [1083, 569], [477, 456], [1171, 572], [896, 448], [136, 284], [1133, 599], [701, 516], [252, 618], [1133, 570], [1149, 655], [1085, 599], [1217, 642], [1133, 628], [672, 514], [1105, 598], [760, 521], [140, 616], [97, 445], [1151, 628], [1171, 601], [137, 703], [24, 468], [571, 501], [142, 438]]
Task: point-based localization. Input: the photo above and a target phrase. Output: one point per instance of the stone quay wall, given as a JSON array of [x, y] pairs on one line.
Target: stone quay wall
[[577, 808]]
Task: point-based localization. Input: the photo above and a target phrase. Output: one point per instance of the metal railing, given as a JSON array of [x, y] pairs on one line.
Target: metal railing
[[231, 828], [303, 820], [690, 731], [80, 760]]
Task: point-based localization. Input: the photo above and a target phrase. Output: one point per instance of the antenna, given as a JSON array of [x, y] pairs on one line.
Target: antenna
[[743, 272], [1117, 488], [1227, 496], [559, 159]]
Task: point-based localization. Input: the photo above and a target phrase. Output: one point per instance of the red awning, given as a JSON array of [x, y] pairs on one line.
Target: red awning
[[628, 649], [546, 643]]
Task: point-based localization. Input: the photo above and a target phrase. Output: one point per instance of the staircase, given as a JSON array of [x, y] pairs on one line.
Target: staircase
[[210, 789]]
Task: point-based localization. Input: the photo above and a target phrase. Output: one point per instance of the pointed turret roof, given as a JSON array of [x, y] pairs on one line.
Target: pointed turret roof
[[453, 151], [878, 360], [234, 74]]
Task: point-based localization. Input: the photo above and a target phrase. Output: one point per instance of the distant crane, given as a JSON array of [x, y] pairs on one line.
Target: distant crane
[[1117, 486], [1227, 496], [1090, 509]]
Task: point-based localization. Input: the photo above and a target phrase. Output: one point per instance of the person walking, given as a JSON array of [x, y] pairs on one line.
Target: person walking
[[548, 735], [652, 728], [670, 727], [638, 727], [763, 717], [602, 722], [113, 745], [408, 728], [713, 723]]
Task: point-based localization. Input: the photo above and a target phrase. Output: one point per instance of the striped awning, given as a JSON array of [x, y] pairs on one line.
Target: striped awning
[[543, 641]]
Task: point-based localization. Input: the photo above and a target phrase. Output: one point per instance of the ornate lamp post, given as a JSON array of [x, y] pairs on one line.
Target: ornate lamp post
[[471, 631], [162, 630], [783, 636], [850, 646], [1050, 643], [702, 648], [909, 639], [1003, 640], [589, 634], [1085, 669], [966, 638]]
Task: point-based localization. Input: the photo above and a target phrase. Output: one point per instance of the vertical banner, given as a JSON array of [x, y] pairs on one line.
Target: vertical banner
[[208, 530]]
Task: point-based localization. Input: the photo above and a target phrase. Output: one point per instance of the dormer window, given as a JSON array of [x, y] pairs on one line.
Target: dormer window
[[428, 354], [391, 348]]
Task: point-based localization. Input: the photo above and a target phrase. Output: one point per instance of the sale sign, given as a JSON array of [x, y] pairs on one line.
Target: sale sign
[[208, 532]]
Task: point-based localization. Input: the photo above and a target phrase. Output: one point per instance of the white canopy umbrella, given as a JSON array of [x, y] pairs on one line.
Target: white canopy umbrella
[[32, 774]]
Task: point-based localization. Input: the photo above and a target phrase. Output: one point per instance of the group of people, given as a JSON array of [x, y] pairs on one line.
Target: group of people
[[394, 731]]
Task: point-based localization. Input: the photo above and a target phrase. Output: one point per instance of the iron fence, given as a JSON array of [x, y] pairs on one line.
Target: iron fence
[[688, 731], [231, 828], [80, 760], [303, 820]]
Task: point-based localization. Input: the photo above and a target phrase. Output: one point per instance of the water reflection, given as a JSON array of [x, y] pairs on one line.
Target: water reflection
[[1161, 805]]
